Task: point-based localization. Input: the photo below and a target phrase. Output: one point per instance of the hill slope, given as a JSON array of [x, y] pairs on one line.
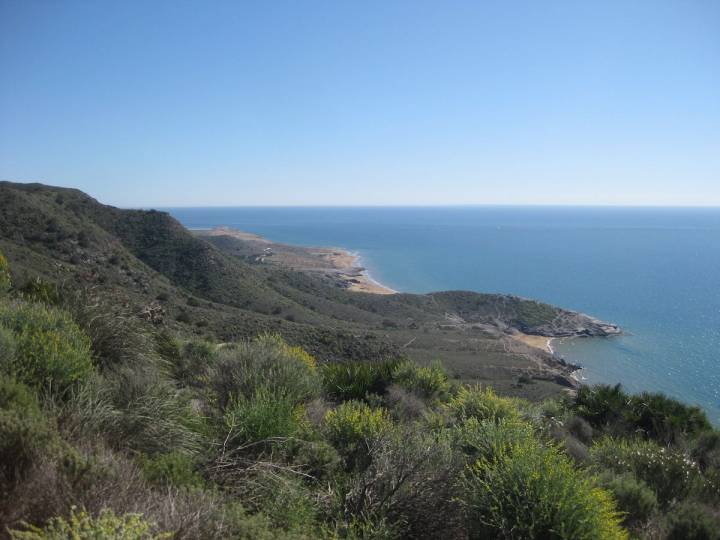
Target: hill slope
[[191, 285]]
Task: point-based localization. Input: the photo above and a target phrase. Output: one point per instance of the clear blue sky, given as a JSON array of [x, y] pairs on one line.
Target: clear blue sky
[[376, 102]]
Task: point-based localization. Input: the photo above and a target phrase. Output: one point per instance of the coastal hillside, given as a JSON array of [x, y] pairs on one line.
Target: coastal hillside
[[209, 286], [156, 383]]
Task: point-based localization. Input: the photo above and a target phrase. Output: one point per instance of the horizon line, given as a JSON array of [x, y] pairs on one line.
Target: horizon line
[[449, 205]]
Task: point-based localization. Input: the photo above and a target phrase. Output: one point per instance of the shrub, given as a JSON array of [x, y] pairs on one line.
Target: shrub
[[5, 281], [81, 526], [352, 427], [482, 404], [172, 469], [668, 472], [25, 434], [580, 429], [152, 417], [518, 488], [411, 485], [690, 521], [8, 348], [665, 419], [355, 380], [267, 362], [39, 290], [633, 497], [601, 404], [264, 416], [427, 382], [657, 416], [190, 366], [117, 336], [51, 349]]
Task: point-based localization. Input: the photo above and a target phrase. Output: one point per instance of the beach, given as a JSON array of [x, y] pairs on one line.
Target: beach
[[539, 342], [340, 266]]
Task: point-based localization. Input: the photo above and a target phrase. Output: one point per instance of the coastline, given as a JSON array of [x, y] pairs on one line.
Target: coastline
[[539, 342], [339, 265]]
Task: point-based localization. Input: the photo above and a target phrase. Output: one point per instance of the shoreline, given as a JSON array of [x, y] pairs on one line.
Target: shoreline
[[339, 265], [543, 343]]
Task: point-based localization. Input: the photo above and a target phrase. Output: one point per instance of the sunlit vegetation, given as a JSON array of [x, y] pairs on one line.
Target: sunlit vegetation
[[112, 427]]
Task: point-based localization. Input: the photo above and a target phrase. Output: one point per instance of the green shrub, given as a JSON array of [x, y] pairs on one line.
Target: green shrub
[[191, 365], [669, 473], [118, 337], [51, 350], [268, 363], [352, 427], [482, 404], [690, 521], [428, 382], [518, 488], [665, 419], [8, 349], [410, 485], [82, 526], [152, 416], [5, 281], [25, 435], [355, 380], [633, 497], [601, 405], [264, 416], [172, 469], [39, 290], [655, 415]]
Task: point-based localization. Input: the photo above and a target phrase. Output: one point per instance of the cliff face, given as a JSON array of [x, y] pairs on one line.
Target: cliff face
[[148, 261]]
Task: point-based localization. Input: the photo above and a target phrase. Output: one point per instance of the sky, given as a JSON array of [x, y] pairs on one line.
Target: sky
[[234, 103]]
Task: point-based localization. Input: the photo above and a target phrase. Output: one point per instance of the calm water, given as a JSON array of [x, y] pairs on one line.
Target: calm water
[[656, 272]]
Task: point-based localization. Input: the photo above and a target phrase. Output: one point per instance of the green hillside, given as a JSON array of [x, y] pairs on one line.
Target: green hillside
[[154, 384]]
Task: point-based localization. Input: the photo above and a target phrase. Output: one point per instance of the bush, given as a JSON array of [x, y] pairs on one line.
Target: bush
[[5, 281], [268, 363], [8, 349], [190, 366], [411, 485], [352, 427], [355, 380], [482, 404], [25, 434], [81, 526], [52, 351], [633, 497], [39, 290], [690, 521], [517, 488], [427, 382], [669, 473], [264, 416], [117, 336], [152, 417], [172, 469], [657, 416]]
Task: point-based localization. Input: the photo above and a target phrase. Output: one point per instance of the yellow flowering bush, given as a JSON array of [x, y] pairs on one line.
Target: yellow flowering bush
[[82, 526], [352, 427], [50, 348], [519, 488], [482, 404]]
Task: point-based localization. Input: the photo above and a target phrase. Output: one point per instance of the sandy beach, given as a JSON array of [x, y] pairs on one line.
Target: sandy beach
[[339, 265], [539, 342]]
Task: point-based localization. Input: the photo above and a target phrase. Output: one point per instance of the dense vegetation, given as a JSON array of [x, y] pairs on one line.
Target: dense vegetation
[[112, 427]]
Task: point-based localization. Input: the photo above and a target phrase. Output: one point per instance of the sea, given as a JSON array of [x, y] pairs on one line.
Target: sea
[[653, 271]]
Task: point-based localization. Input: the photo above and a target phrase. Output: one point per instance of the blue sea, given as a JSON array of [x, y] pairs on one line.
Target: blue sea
[[654, 271]]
